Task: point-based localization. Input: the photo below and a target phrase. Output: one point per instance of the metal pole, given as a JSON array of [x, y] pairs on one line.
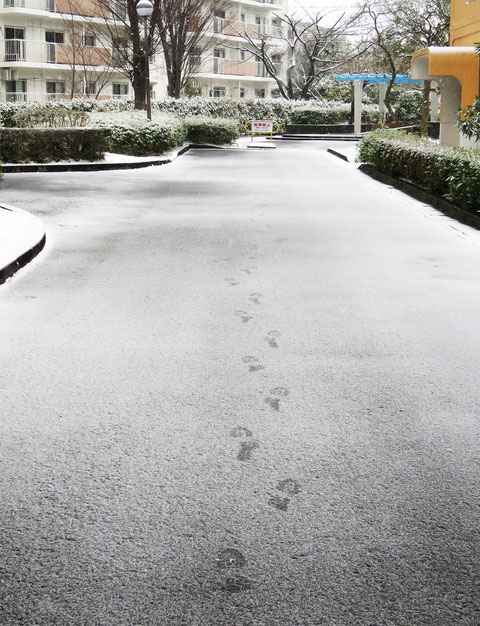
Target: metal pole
[[357, 106], [147, 72]]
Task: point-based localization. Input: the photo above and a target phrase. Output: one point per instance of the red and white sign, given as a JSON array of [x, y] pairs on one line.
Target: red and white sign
[[262, 127]]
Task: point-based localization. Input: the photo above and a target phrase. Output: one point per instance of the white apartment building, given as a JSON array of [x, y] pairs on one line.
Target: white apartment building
[[53, 49], [226, 68]]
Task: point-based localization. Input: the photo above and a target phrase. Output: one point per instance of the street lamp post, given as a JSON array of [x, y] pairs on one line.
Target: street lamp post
[[145, 9]]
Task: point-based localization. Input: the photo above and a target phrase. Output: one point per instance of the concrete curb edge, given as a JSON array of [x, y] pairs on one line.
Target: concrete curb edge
[[443, 205], [25, 258], [338, 154], [14, 168]]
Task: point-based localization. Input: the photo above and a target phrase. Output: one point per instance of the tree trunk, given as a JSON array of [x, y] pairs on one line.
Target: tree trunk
[[139, 84], [390, 112], [425, 108]]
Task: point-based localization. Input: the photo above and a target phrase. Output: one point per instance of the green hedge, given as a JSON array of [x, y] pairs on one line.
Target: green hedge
[[212, 130], [451, 172], [339, 114], [42, 145], [132, 133], [239, 110]]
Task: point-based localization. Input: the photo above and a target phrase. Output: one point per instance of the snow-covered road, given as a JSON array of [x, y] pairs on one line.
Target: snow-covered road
[[239, 389]]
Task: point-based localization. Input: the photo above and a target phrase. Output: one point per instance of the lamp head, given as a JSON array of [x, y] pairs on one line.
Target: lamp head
[[144, 8]]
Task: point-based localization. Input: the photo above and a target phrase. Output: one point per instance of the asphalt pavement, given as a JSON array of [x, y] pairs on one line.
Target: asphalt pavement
[[240, 389]]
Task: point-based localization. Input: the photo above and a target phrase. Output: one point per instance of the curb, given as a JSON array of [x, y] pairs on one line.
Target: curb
[[35, 245], [338, 154], [441, 204], [14, 168]]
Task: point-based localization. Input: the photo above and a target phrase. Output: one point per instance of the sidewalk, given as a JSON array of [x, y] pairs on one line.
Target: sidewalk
[[22, 237]]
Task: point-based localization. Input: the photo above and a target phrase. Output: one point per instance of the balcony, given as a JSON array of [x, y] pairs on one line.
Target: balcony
[[87, 8], [231, 67], [21, 50], [233, 28]]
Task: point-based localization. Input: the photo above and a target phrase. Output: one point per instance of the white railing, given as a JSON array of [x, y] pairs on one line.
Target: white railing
[[17, 50], [15, 97], [37, 5], [233, 28]]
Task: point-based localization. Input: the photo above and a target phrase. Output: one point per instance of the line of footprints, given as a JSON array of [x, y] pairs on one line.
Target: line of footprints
[[232, 560]]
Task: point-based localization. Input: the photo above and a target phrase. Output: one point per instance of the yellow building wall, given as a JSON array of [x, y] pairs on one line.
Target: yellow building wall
[[465, 23]]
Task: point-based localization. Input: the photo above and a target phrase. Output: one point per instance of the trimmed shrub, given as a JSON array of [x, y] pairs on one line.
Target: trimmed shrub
[[42, 145], [338, 114], [451, 172], [408, 109], [212, 130], [48, 117], [239, 110], [132, 133]]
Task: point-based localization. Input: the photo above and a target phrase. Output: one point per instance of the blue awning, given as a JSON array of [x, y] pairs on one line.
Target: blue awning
[[376, 78]]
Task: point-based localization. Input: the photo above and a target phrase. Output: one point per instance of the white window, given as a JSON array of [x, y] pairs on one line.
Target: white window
[[16, 90], [242, 92], [195, 59], [218, 58], [259, 93], [52, 36], [242, 55], [219, 92], [54, 88], [14, 44], [260, 22], [89, 88], [88, 40], [119, 90]]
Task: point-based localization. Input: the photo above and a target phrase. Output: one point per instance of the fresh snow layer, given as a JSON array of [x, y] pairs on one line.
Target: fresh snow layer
[[19, 232]]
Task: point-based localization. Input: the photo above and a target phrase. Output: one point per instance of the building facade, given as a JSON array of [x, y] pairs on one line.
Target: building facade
[[228, 66], [57, 49], [455, 69]]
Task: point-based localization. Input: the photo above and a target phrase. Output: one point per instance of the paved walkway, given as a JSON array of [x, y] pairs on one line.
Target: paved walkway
[[239, 389]]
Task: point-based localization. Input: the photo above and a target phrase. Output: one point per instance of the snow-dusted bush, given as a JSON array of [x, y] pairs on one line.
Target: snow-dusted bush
[[409, 107], [42, 145], [214, 130], [240, 110], [131, 133], [335, 114], [48, 116], [451, 172]]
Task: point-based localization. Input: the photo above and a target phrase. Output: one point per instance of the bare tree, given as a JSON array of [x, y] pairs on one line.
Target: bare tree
[[87, 51], [125, 30], [310, 48], [186, 33], [399, 27]]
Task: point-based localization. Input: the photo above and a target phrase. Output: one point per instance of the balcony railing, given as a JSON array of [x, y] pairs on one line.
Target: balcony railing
[[89, 8], [37, 5], [256, 31], [15, 97], [17, 50], [232, 67]]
